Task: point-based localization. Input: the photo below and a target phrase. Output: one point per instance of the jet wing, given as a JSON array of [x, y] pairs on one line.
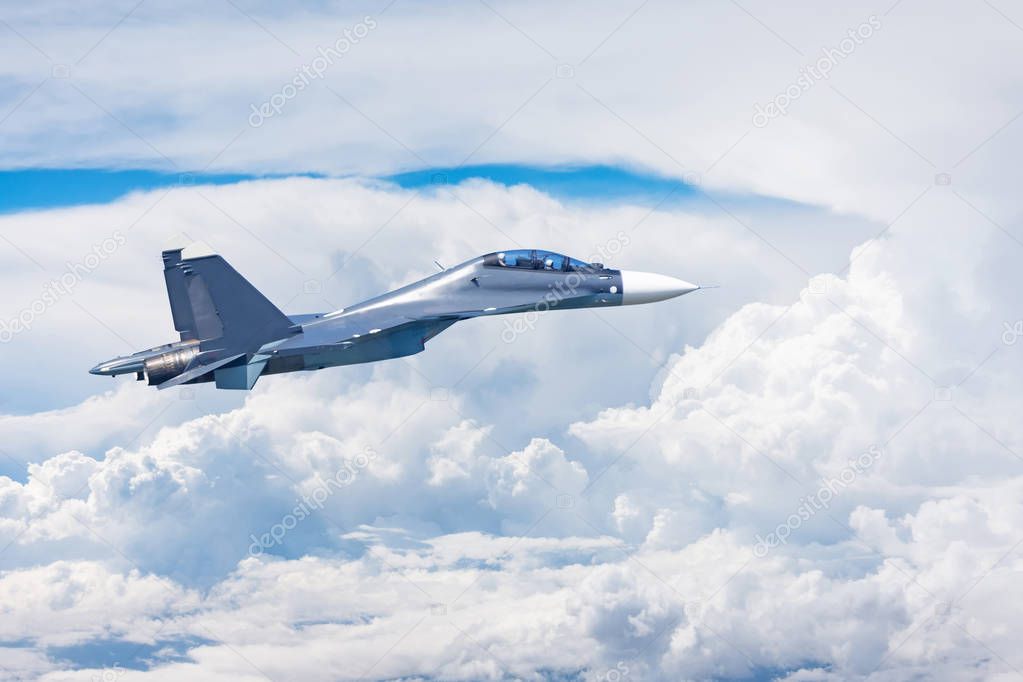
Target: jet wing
[[460, 315], [374, 325], [402, 332], [349, 330]]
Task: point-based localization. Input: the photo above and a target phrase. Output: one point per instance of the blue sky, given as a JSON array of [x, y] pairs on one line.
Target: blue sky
[[39, 188], [42, 188]]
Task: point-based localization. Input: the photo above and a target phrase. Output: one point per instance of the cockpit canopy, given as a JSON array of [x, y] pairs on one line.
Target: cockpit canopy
[[536, 259]]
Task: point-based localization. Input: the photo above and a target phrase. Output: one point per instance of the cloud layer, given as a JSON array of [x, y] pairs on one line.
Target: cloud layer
[[684, 535], [665, 86]]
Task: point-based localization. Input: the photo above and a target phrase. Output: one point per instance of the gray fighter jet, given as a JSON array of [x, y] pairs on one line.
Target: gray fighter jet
[[231, 334]]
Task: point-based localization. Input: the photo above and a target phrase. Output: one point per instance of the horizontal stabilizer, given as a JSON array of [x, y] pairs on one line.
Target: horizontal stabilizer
[[196, 372]]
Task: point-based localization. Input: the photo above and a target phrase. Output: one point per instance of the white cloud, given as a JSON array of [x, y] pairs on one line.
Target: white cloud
[[512, 540], [474, 556], [464, 81], [353, 240]]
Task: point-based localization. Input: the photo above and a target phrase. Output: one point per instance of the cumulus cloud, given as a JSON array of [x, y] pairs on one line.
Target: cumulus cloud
[[666, 538]]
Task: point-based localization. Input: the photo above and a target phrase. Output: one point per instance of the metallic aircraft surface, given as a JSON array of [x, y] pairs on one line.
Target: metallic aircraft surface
[[231, 334]]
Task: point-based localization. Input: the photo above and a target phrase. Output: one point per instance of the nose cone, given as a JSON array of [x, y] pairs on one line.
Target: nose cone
[[647, 287]]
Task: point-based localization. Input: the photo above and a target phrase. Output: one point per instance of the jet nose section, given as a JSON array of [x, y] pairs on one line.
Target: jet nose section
[[647, 287]]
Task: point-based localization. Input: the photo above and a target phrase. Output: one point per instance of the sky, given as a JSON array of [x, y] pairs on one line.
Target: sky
[[812, 472]]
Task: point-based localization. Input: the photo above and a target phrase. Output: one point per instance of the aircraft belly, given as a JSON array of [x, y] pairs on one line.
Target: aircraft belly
[[392, 345]]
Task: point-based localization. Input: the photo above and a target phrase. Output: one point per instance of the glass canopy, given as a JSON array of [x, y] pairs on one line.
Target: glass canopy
[[534, 259]]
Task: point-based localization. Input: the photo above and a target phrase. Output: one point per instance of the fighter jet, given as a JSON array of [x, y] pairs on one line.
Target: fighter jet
[[231, 334]]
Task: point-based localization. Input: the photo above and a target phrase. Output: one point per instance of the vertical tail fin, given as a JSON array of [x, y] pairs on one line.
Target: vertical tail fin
[[211, 302], [181, 308]]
